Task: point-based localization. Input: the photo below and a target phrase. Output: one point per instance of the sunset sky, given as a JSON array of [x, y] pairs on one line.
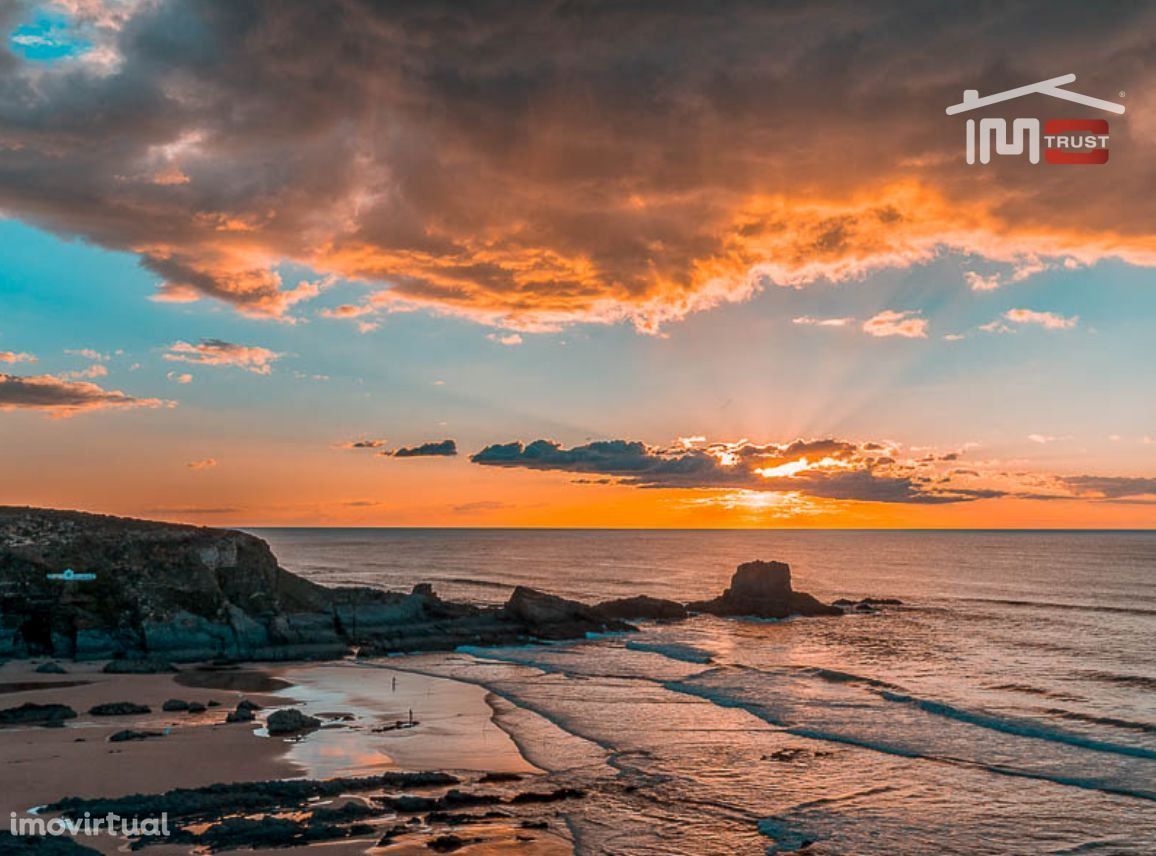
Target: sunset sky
[[572, 264]]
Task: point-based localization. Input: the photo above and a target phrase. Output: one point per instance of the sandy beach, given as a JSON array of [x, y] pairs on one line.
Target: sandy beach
[[360, 707]]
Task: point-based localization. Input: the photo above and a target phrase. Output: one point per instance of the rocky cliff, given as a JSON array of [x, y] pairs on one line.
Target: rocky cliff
[[188, 593], [87, 586]]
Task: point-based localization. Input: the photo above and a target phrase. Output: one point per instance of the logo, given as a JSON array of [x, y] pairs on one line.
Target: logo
[[71, 576], [1064, 141], [110, 824]]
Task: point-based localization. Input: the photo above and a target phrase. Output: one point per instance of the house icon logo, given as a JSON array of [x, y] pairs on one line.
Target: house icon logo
[[1065, 141]]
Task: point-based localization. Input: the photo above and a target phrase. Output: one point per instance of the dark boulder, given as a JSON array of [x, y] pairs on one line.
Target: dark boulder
[[128, 734], [449, 843], [119, 708], [866, 605], [763, 590], [42, 845], [641, 607], [548, 616], [494, 778], [272, 795], [142, 666], [51, 668], [410, 803], [30, 713], [241, 714], [455, 797], [175, 704], [290, 720]]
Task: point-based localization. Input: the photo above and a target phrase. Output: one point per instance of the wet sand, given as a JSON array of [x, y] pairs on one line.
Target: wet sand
[[44, 764], [455, 732]]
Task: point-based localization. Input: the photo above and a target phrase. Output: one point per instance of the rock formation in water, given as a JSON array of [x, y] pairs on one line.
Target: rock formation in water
[[143, 593], [763, 590], [556, 617], [642, 607]]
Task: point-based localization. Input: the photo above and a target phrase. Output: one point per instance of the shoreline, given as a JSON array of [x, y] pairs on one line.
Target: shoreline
[[456, 732]]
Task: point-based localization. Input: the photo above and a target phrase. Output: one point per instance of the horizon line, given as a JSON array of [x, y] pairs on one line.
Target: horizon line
[[433, 528]]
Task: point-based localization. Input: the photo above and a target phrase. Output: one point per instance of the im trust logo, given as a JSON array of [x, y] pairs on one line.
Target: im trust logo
[[1065, 141]]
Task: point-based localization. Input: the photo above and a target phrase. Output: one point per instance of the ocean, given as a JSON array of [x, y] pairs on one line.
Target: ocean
[[1008, 707]]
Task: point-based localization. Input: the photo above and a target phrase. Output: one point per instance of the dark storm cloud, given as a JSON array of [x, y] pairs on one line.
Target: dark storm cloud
[[530, 165]]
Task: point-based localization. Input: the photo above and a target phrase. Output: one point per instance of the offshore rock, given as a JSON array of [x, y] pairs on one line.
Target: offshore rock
[[642, 607], [763, 590]]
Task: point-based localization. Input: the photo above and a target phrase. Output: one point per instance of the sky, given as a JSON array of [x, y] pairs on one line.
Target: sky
[[572, 264]]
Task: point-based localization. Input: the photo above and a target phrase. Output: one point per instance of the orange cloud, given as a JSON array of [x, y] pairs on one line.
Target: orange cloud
[[13, 357], [808, 321], [215, 352], [203, 464], [906, 324], [93, 371], [88, 354], [1047, 320]]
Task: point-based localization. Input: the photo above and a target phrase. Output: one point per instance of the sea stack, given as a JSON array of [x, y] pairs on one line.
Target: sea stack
[[763, 590]]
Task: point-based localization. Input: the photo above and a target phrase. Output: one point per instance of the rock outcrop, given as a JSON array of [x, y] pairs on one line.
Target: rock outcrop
[[140, 587], [145, 594], [641, 607], [290, 720], [119, 708], [30, 713], [548, 616], [763, 590]]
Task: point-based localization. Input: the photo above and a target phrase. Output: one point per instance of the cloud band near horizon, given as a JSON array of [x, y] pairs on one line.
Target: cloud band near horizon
[[829, 469]]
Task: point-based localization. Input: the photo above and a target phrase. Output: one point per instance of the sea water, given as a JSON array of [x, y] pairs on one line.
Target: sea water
[[1008, 707]]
